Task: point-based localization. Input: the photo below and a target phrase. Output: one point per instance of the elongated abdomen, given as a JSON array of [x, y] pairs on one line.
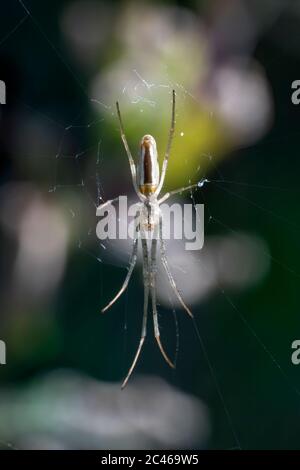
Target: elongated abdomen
[[148, 169]]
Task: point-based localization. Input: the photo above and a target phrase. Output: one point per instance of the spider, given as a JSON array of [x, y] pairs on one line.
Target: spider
[[148, 224]]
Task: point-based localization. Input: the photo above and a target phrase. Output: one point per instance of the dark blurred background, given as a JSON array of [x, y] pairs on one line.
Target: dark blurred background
[[232, 64]]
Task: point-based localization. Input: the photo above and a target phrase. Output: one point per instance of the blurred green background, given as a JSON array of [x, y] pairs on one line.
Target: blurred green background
[[65, 63]]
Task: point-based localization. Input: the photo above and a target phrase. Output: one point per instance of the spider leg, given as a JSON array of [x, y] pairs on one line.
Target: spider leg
[[169, 144], [176, 191], [130, 159], [180, 190], [168, 271], [146, 299], [108, 203], [153, 270], [132, 263]]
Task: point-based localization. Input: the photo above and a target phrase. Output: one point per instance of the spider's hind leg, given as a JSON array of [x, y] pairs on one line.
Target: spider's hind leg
[[132, 263], [168, 271], [153, 270], [127, 279], [145, 314]]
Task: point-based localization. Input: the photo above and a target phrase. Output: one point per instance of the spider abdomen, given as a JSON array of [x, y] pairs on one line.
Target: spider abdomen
[[148, 169]]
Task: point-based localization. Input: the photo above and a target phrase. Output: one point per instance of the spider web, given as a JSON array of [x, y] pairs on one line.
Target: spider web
[[81, 170], [219, 183]]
